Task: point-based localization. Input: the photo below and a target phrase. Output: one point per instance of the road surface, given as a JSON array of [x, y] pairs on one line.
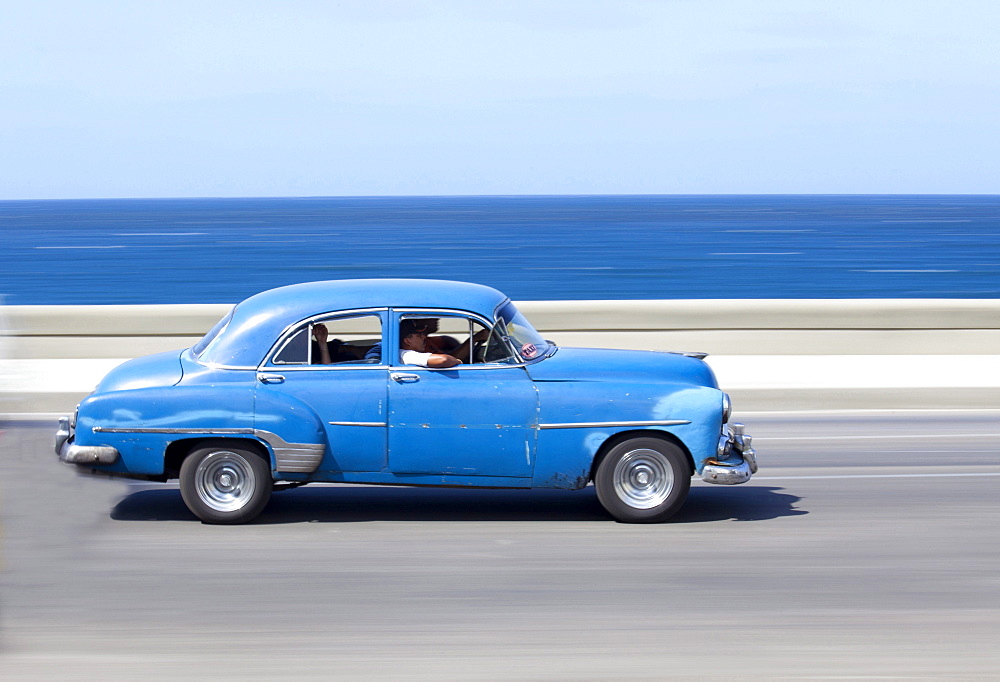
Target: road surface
[[868, 545]]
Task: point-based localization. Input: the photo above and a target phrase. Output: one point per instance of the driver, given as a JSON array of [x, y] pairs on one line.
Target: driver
[[413, 346]]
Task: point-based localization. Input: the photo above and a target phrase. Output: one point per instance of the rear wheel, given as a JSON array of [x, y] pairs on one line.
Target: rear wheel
[[224, 483], [643, 480]]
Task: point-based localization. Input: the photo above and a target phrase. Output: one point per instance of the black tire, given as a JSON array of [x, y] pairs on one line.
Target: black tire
[[643, 480], [225, 483]]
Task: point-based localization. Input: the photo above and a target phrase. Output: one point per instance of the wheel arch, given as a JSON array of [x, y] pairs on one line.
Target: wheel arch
[[623, 436], [178, 450]]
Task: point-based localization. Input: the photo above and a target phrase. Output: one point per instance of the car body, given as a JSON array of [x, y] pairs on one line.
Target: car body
[[248, 409]]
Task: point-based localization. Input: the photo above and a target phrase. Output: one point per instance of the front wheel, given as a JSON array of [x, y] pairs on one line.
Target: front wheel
[[223, 483], [643, 480]]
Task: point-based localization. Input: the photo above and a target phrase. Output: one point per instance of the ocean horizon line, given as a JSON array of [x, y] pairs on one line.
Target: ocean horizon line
[[695, 195]]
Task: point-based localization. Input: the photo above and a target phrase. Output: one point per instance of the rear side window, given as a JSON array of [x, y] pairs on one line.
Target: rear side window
[[353, 339], [296, 349]]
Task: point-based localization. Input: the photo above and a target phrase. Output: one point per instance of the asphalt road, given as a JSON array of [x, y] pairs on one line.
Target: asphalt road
[[866, 546]]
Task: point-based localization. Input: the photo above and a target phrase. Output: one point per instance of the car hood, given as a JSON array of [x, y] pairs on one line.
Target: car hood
[[161, 369], [598, 364]]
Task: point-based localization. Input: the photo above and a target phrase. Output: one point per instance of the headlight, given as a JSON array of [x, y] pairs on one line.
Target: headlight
[[727, 408]]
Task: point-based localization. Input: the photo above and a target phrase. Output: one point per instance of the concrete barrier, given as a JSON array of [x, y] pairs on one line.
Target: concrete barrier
[[722, 327], [769, 354]]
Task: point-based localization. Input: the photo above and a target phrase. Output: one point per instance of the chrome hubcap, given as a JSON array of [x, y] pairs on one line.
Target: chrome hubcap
[[225, 481], [643, 479]]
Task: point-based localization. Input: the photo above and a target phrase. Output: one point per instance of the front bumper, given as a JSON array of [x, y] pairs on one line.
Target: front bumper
[[71, 453], [735, 461]]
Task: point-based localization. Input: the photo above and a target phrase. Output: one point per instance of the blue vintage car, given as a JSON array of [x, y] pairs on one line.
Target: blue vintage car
[[405, 382]]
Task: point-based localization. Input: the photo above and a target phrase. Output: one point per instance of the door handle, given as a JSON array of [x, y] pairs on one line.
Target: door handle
[[270, 378], [401, 378]]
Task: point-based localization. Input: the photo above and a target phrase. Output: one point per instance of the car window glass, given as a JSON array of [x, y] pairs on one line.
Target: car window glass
[[200, 347], [497, 348], [451, 335], [296, 349], [353, 339], [528, 342], [350, 340]]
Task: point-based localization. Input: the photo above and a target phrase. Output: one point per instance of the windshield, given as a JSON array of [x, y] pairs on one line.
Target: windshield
[[528, 342]]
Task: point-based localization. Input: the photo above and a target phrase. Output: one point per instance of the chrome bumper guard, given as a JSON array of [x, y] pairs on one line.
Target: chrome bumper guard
[[72, 453], [735, 461]]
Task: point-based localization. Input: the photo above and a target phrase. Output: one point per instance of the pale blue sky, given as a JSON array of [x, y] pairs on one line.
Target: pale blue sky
[[300, 97]]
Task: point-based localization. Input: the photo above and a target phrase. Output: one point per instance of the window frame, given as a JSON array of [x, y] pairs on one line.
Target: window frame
[[399, 314], [288, 333]]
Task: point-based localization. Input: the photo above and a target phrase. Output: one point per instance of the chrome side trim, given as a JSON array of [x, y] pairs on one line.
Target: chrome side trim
[[445, 312], [357, 423], [601, 425], [217, 365], [478, 367], [102, 429], [328, 368], [302, 458], [289, 457]]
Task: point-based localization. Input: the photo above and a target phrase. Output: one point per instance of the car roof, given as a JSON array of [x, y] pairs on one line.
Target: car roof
[[259, 320]]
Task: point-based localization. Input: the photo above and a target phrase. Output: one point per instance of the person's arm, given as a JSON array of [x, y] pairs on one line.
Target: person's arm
[[322, 334], [433, 360], [463, 350], [441, 360]]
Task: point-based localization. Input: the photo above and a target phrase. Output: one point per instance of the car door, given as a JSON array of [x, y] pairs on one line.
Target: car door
[[347, 397], [476, 419]]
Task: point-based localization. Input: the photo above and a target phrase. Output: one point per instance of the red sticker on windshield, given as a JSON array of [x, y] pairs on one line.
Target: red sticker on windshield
[[529, 351]]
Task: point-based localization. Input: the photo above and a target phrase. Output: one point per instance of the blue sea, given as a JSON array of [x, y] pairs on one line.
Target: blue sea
[[531, 247]]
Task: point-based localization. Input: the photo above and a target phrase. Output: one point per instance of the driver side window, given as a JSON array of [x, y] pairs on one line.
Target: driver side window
[[467, 339]]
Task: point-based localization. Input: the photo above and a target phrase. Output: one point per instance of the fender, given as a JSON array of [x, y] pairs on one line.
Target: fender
[[572, 431], [292, 430], [141, 422]]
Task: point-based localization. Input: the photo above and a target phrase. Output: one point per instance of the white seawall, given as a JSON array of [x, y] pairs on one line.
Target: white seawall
[[768, 354]]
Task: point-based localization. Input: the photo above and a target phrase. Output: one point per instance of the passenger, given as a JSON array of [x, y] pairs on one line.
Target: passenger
[[321, 334], [327, 351], [435, 344], [413, 346]]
